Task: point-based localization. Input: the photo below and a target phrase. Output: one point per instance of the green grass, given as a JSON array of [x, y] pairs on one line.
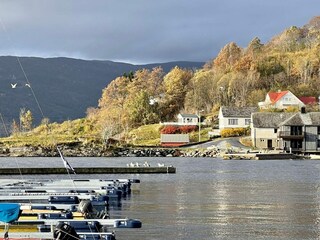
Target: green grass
[[147, 135], [194, 136], [86, 132], [80, 130]]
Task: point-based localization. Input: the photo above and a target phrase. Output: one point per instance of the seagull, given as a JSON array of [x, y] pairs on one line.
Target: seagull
[[14, 85], [28, 85], [146, 164]]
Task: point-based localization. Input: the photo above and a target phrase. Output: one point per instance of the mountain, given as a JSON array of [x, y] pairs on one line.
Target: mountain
[[63, 88]]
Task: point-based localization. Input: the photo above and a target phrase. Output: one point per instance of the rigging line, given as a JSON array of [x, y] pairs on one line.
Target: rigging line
[[30, 86], [6, 130], [34, 95], [68, 168], [15, 158], [27, 79], [22, 69]]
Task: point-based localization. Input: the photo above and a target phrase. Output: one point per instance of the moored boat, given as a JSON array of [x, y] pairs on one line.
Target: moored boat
[[314, 156]]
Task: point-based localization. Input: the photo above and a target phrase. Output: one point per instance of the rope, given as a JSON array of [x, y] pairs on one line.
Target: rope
[[37, 102]]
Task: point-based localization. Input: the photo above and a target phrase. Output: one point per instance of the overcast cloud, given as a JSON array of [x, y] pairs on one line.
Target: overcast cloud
[[143, 31]]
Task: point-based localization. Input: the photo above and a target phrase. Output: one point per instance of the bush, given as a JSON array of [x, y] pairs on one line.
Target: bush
[[234, 132], [188, 129], [178, 129], [170, 130]]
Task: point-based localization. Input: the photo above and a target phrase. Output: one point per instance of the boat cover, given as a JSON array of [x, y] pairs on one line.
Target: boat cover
[[9, 212]]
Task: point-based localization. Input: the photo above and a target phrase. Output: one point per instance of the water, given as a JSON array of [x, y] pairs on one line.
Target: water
[[213, 198]]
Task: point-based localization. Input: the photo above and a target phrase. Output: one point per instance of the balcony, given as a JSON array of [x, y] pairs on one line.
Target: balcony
[[293, 150], [290, 135]]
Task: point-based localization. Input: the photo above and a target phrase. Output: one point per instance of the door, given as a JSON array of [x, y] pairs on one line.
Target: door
[[269, 144]]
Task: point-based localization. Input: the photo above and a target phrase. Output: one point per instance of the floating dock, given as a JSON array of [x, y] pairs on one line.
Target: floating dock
[[259, 156], [94, 170]]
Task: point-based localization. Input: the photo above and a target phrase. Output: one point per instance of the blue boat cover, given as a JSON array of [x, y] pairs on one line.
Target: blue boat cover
[[9, 212]]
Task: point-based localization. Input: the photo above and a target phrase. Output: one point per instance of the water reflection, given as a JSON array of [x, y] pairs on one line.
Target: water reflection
[[217, 199]]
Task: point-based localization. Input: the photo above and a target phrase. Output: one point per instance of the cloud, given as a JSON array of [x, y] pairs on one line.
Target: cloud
[[143, 30]]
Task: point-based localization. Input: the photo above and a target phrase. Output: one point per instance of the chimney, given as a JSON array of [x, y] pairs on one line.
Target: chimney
[[303, 109]]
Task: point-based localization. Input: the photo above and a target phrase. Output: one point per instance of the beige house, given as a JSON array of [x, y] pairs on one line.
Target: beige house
[[281, 100], [301, 132], [291, 132], [235, 117], [264, 129]]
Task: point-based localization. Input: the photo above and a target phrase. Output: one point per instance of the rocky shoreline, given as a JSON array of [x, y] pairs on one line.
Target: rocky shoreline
[[98, 151], [95, 151]]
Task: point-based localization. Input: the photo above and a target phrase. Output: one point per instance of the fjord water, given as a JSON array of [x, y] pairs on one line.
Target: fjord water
[[213, 198]]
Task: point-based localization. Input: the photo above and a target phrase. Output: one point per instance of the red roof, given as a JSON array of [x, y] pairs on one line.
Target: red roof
[[276, 96], [308, 100]]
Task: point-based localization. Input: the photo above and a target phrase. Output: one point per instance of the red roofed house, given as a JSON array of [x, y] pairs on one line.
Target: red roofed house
[[281, 100]]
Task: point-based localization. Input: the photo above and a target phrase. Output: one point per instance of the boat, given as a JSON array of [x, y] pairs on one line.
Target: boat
[[314, 156], [63, 231], [43, 227]]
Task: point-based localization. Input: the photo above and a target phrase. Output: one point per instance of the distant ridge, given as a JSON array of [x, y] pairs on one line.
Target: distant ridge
[[65, 87]]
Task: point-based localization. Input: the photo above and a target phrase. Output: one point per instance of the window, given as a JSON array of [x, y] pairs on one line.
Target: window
[[318, 145], [275, 130], [318, 130], [296, 130], [233, 121], [247, 121]]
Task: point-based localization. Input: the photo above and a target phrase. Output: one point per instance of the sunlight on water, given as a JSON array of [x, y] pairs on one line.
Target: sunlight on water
[[216, 199]]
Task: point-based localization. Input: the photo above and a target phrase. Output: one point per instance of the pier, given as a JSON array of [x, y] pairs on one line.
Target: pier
[[94, 170], [259, 156]]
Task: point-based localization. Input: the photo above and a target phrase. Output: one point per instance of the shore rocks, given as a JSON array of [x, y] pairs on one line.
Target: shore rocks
[[163, 152], [98, 151]]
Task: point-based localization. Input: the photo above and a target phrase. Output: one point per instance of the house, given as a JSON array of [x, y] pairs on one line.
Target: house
[[301, 132], [291, 132], [185, 119], [235, 117], [188, 119], [174, 140], [308, 100], [281, 100], [264, 129]]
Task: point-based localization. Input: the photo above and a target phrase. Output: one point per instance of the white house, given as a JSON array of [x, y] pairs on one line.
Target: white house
[[235, 117], [188, 119], [281, 100]]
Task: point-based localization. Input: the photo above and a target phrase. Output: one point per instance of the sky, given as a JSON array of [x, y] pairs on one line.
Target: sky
[[143, 31]]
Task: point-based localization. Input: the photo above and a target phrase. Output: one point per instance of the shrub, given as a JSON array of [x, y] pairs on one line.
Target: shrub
[[170, 130], [188, 129], [234, 132]]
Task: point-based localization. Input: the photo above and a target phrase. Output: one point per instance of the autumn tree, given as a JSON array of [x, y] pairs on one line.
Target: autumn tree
[[15, 128], [175, 89], [140, 110], [26, 119], [202, 92]]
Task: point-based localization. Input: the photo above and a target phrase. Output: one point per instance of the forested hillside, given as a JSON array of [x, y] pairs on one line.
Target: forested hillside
[[237, 76], [63, 87]]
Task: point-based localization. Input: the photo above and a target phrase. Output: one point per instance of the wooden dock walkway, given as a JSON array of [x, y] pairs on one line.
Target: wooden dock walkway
[[94, 170], [259, 156]]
